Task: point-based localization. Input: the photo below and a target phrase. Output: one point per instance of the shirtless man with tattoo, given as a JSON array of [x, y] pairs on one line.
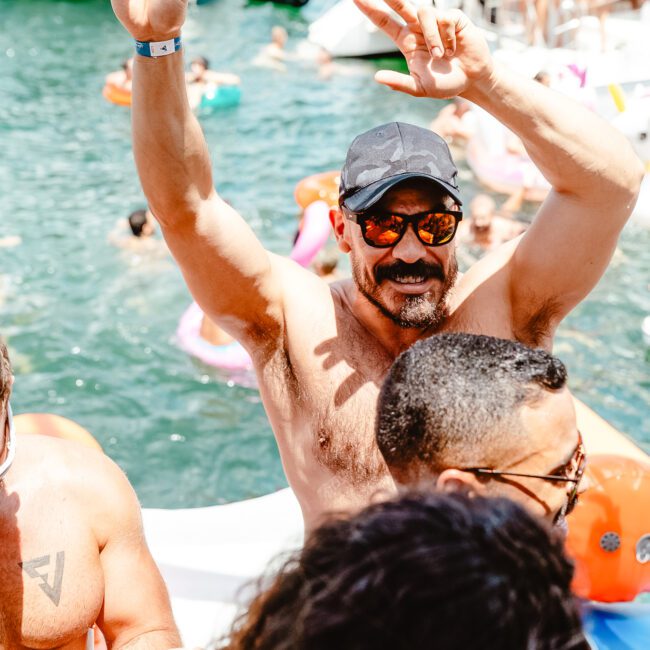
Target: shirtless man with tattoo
[[321, 351], [72, 549]]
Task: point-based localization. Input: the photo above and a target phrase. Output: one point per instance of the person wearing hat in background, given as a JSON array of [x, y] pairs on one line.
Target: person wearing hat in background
[[321, 351]]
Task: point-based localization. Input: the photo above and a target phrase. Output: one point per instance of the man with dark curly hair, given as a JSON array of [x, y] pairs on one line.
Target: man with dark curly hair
[[434, 570]]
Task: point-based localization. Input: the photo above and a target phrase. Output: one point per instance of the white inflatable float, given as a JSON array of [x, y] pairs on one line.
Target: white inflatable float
[[208, 555]]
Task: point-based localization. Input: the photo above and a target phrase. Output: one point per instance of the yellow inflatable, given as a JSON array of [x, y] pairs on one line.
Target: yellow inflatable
[[319, 187], [57, 426], [117, 95]]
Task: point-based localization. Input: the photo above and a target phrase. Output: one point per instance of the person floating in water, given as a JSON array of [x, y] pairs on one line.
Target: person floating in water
[[137, 233], [122, 79], [488, 227], [201, 78], [274, 55], [455, 122], [321, 351]]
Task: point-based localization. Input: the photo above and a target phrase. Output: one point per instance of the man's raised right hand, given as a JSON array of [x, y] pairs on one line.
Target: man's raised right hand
[[151, 20]]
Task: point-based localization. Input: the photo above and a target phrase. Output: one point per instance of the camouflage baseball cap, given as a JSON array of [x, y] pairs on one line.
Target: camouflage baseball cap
[[389, 154]]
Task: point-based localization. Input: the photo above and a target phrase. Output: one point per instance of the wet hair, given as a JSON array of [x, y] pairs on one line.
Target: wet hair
[[201, 60], [137, 221], [5, 377], [454, 400], [436, 570]]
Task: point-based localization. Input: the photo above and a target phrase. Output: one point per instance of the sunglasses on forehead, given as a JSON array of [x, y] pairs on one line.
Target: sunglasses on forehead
[[382, 229], [576, 465]]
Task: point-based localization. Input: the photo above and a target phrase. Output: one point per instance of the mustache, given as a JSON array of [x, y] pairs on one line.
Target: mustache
[[398, 270]]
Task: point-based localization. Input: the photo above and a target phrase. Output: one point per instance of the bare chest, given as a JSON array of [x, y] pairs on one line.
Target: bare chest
[[325, 420], [51, 582]]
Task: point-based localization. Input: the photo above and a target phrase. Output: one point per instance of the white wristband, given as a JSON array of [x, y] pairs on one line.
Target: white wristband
[[158, 48]]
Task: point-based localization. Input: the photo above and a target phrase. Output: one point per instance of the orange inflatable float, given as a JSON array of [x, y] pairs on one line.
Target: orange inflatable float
[[609, 531], [48, 424], [117, 95], [319, 187]]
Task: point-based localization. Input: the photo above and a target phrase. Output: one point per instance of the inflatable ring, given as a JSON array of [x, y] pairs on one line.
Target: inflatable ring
[[314, 233], [506, 172], [609, 534], [319, 187], [229, 357], [117, 95], [56, 426], [220, 97]]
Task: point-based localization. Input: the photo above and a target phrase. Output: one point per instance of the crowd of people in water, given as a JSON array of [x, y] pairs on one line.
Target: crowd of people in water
[[427, 430]]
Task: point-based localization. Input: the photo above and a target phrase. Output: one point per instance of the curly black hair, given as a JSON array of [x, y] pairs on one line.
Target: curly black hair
[[425, 570]]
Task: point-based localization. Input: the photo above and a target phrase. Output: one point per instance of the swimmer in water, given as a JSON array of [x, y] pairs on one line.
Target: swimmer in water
[[455, 122], [137, 233], [122, 79], [201, 78], [72, 547], [321, 351], [274, 55], [488, 227]]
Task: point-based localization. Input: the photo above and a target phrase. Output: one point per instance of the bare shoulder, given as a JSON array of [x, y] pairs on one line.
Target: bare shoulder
[[82, 475], [484, 301], [305, 294]]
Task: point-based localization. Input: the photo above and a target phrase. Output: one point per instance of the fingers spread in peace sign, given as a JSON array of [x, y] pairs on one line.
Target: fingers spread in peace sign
[[444, 51]]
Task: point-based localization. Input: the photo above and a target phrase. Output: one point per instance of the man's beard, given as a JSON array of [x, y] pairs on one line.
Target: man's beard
[[416, 311]]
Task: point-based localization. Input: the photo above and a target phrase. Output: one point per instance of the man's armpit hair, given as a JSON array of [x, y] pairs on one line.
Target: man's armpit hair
[[535, 329]]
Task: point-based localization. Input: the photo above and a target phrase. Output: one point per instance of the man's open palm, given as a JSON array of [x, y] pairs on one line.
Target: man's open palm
[[444, 51], [151, 20]]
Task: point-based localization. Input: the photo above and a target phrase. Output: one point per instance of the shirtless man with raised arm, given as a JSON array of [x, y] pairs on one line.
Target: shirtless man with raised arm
[[72, 548], [321, 351]]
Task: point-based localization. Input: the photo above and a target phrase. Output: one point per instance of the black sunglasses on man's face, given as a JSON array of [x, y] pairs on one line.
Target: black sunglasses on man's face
[[383, 229], [578, 460]]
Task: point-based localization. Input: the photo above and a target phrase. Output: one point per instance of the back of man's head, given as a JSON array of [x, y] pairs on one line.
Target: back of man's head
[[137, 221], [454, 400], [430, 570]]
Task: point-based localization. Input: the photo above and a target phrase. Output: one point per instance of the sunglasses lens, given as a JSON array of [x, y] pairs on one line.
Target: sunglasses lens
[[383, 230], [437, 228]]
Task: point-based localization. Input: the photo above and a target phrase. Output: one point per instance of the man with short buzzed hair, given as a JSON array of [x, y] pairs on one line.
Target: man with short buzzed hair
[[486, 415], [72, 548]]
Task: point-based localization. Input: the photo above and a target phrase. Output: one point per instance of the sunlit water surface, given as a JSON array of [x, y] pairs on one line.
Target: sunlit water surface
[[90, 327]]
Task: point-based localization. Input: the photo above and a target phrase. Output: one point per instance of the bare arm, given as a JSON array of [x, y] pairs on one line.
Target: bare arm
[[595, 178], [594, 173], [136, 611], [225, 266]]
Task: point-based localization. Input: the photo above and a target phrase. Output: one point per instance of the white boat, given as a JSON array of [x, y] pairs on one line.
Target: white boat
[[344, 31], [207, 556]]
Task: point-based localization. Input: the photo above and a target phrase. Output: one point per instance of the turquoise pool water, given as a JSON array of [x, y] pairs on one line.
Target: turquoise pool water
[[90, 327]]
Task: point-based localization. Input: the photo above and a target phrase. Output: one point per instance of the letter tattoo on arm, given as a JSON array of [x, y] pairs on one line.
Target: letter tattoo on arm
[[51, 590]]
